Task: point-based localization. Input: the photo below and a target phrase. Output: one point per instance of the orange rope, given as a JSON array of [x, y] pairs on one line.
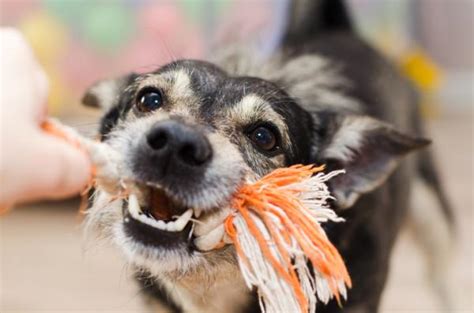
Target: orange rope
[[269, 195]]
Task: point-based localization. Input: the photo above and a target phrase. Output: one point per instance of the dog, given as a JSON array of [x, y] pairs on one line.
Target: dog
[[192, 131]]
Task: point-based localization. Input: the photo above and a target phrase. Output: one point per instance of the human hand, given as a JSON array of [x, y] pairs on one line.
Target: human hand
[[33, 165]]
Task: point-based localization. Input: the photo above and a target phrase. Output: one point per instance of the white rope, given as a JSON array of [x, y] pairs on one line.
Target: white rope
[[275, 294]]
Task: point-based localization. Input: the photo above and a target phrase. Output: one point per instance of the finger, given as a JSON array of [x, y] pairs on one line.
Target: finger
[[69, 168], [58, 170]]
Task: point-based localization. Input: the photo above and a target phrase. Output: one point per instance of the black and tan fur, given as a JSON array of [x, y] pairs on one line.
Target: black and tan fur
[[331, 98]]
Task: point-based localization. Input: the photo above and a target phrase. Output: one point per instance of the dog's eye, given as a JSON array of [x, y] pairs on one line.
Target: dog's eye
[[264, 138], [149, 99]]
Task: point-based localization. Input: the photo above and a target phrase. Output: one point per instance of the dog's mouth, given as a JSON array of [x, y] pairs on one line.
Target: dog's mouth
[[159, 221], [160, 211]]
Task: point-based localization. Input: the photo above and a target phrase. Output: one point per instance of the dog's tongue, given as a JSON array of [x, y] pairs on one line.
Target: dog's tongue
[[160, 205]]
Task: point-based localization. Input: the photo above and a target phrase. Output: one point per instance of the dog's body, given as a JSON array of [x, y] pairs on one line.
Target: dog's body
[[324, 97]]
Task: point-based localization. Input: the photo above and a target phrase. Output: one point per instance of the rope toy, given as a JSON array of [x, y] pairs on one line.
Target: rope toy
[[282, 250]]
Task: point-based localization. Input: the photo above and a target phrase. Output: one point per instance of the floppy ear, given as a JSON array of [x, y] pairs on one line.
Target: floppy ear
[[368, 149], [105, 94]]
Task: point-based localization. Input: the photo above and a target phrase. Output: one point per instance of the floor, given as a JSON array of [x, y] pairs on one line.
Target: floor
[[46, 267]]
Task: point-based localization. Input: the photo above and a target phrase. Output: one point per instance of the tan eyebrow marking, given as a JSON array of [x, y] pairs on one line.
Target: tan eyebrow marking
[[182, 84], [176, 85], [177, 82], [252, 108]]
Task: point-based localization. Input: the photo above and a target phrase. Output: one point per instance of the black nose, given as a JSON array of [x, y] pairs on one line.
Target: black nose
[[178, 145]]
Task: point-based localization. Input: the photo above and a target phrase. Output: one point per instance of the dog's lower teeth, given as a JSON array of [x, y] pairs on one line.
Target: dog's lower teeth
[[171, 226]]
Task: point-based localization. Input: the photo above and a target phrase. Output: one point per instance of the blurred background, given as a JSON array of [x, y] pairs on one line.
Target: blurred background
[[44, 266]]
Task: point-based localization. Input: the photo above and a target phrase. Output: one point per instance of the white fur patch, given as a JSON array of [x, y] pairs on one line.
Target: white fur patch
[[349, 137], [107, 92], [181, 84]]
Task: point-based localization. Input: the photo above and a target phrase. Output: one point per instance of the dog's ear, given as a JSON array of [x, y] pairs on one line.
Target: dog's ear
[[109, 95], [104, 94], [368, 149]]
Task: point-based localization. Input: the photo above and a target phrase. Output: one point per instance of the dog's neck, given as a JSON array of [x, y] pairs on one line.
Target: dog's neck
[[223, 290]]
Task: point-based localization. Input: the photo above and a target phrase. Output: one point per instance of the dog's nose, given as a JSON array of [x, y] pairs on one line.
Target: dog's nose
[[178, 145]]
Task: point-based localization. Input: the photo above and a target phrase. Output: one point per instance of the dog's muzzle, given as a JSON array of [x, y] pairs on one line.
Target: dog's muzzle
[[176, 173]]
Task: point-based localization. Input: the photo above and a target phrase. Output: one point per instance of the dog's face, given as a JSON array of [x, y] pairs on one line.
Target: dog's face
[[191, 134]]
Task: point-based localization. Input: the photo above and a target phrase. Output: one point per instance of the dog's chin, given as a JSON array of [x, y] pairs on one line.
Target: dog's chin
[[155, 258]]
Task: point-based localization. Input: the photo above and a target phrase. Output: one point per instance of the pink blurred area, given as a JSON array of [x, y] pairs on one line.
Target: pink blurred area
[[13, 11], [80, 42]]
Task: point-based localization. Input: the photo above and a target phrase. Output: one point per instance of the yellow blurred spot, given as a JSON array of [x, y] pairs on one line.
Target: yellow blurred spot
[[46, 35], [48, 38], [424, 73], [58, 93], [421, 70]]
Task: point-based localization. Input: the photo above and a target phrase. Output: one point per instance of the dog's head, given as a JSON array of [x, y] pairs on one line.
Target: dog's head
[[191, 133]]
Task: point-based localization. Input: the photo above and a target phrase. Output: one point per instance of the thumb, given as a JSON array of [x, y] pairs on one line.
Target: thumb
[[61, 169]]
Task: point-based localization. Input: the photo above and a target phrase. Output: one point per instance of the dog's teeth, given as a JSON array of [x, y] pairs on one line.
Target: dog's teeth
[[197, 212], [133, 206], [161, 225], [183, 220], [172, 226], [211, 240]]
